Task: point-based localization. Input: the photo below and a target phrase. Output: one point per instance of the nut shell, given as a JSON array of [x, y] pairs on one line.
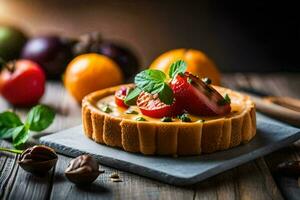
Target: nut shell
[[83, 178], [82, 170], [38, 159]]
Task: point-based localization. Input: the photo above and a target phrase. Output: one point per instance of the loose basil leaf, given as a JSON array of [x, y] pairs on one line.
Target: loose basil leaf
[[20, 136], [177, 68], [132, 97], [6, 133], [9, 119], [150, 80], [39, 118], [166, 94]]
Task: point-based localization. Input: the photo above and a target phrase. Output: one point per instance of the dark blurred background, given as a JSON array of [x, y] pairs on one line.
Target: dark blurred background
[[238, 35]]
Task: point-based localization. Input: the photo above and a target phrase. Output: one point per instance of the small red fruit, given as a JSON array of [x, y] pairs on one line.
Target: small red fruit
[[120, 96], [197, 97], [22, 83], [150, 105]]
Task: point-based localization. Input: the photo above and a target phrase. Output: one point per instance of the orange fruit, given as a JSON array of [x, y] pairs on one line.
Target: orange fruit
[[90, 72], [198, 63]]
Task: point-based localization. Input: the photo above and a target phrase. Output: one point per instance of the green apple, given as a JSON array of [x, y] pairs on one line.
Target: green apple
[[11, 42]]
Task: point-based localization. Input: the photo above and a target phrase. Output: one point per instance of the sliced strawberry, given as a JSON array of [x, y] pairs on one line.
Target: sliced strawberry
[[198, 98], [150, 105], [120, 95]]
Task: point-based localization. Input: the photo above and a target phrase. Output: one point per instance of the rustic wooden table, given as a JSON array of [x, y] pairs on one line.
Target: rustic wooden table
[[253, 180]]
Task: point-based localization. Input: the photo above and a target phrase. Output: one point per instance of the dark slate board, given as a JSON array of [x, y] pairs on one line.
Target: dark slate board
[[271, 135]]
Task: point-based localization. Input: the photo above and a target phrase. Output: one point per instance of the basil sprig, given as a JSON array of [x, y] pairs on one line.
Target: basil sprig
[[155, 82], [39, 118], [178, 67], [8, 122], [151, 81]]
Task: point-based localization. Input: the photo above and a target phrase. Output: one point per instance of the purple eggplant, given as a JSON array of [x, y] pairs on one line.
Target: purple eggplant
[[121, 55], [51, 52]]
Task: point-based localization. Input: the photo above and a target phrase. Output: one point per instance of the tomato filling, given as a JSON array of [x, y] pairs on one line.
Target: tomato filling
[[150, 105], [120, 96]]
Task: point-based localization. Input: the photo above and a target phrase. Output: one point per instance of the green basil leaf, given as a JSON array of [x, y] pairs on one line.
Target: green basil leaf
[[177, 68], [20, 136], [166, 94], [9, 119], [132, 97], [149, 80], [156, 88], [6, 133], [153, 81], [39, 118]]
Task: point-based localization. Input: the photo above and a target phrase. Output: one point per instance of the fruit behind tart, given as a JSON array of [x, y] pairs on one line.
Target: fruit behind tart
[[174, 114]]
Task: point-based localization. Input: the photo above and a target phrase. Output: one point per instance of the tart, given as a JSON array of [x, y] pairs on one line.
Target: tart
[[130, 128]]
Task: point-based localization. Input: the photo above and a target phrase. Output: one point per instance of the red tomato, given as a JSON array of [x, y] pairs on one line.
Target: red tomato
[[120, 95], [198, 98], [23, 84], [150, 105]]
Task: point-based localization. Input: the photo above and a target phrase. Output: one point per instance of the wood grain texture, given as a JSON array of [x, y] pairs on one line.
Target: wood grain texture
[[284, 86], [63, 189], [277, 85], [8, 170], [252, 180]]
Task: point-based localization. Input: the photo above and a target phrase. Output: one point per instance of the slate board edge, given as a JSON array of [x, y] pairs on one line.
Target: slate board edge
[[242, 159], [170, 179]]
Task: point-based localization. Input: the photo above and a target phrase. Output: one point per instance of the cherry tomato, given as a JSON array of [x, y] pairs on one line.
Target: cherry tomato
[[23, 83], [120, 95], [198, 98], [150, 105]]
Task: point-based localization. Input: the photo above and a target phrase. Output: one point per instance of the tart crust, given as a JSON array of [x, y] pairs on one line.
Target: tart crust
[[162, 138]]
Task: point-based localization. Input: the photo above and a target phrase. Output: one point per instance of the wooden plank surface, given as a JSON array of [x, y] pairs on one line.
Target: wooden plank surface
[[252, 180], [277, 85]]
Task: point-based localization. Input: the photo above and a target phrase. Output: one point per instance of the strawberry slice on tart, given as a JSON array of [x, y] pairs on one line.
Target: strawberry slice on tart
[[198, 97]]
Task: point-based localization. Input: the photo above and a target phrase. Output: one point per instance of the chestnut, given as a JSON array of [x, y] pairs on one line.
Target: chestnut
[[38, 159], [83, 169]]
